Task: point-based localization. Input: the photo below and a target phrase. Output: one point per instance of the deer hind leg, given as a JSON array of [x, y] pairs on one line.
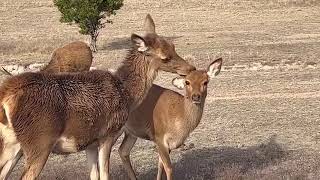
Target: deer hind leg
[[160, 169], [35, 159], [104, 158], [8, 167], [9, 147], [105, 147], [92, 158], [36, 148], [164, 154], [124, 151]]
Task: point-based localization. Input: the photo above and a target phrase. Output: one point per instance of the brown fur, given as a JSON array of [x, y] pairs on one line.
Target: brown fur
[[3, 118], [72, 104], [167, 118], [87, 108], [1, 144], [73, 57]]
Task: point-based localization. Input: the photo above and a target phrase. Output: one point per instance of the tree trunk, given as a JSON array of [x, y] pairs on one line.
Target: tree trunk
[[93, 42], [93, 32]]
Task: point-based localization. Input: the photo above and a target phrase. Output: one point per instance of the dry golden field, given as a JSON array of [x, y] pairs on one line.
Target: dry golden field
[[262, 114]]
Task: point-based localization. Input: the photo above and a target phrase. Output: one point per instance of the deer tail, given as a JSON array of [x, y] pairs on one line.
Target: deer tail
[[4, 71]]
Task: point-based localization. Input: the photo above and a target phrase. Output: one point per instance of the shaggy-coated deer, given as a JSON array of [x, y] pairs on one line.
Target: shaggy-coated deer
[[67, 113], [167, 118], [73, 57]]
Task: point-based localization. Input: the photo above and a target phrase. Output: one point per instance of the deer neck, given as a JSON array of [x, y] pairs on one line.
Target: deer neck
[[137, 74], [192, 113]]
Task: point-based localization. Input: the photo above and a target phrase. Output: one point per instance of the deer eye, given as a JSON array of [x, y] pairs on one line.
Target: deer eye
[[187, 82], [205, 83]]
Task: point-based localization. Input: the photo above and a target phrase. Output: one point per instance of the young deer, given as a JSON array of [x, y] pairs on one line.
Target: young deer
[[73, 57], [167, 118], [67, 113]]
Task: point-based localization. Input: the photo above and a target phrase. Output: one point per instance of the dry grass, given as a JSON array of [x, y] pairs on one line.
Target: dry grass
[[300, 3], [42, 46], [241, 31], [266, 161]]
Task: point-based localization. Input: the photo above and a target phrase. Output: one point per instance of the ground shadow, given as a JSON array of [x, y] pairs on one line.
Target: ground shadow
[[125, 43], [210, 163]]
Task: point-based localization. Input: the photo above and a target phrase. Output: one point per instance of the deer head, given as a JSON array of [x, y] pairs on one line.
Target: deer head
[[196, 82], [162, 52]]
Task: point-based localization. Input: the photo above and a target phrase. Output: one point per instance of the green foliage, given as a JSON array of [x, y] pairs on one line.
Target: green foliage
[[88, 14]]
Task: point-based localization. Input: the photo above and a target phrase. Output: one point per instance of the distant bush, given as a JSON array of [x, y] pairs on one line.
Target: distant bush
[[88, 14]]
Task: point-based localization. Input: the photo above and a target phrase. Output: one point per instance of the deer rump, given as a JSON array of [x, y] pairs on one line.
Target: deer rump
[[73, 57]]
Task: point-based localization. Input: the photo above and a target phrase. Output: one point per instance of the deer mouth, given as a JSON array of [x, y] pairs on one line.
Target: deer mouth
[[196, 102]]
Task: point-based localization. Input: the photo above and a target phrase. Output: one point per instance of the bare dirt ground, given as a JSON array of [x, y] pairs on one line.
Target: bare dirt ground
[[261, 119]]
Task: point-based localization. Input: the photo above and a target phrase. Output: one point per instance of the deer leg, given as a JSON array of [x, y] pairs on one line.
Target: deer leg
[[165, 159], [36, 150], [92, 158], [104, 153], [9, 145], [35, 161], [124, 151], [160, 169], [104, 158], [8, 167], [10, 151]]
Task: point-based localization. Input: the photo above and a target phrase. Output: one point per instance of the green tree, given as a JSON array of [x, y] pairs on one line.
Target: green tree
[[88, 14]]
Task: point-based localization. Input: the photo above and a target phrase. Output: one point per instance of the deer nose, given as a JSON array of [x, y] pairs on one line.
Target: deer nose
[[195, 97]]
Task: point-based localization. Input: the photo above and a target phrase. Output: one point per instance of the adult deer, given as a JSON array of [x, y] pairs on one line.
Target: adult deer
[[67, 113], [73, 57], [167, 118]]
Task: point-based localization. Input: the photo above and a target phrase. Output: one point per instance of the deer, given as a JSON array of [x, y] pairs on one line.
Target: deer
[[167, 118], [84, 111], [73, 57]]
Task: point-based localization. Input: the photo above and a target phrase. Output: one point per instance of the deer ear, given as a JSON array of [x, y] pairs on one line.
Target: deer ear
[[139, 42], [178, 82], [214, 68], [149, 24]]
